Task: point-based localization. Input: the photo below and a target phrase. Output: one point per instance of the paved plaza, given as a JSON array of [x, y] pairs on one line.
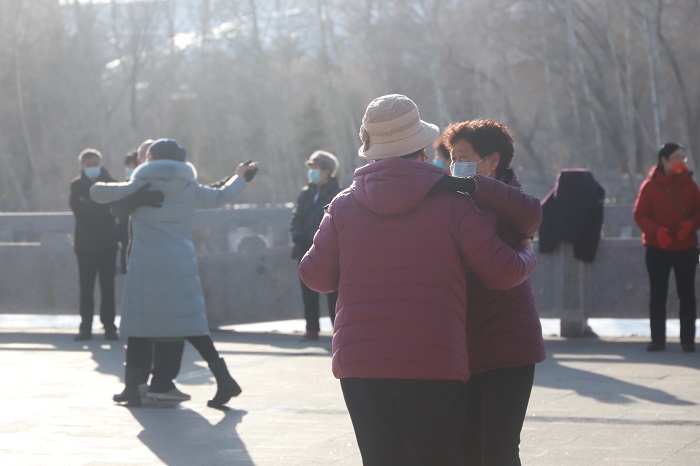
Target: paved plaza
[[596, 401]]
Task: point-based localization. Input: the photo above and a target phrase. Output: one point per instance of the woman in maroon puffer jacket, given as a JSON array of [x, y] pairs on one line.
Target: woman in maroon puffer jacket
[[668, 213], [504, 335]]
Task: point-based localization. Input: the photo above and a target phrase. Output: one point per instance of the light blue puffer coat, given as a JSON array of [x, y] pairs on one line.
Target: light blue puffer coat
[[163, 294]]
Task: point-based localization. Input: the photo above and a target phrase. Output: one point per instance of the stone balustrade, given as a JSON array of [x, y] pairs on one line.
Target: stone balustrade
[[248, 275]]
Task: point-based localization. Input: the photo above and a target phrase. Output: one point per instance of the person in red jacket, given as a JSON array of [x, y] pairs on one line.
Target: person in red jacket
[[667, 211], [504, 334], [396, 251]]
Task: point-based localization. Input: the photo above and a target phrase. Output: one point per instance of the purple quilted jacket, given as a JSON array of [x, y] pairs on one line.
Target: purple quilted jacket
[[398, 257]]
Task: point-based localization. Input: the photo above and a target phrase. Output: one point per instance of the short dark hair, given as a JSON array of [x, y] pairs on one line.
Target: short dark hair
[[486, 137], [440, 147], [131, 157], [89, 153]]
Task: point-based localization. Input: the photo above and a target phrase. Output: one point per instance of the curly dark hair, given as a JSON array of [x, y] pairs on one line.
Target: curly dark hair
[[486, 137]]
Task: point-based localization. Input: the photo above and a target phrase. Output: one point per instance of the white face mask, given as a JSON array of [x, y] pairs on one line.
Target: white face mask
[[464, 169], [92, 172], [314, 175]]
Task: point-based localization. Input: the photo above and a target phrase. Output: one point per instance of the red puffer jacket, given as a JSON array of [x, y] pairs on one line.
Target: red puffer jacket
[[397, 258], [503, 327], [655, 208]]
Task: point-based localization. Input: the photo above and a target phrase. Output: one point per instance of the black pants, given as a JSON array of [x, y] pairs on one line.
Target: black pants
[[312, 307], [167, 358], [659, 264], [406, 422], [138, 350], [90, 265], [496, 404]]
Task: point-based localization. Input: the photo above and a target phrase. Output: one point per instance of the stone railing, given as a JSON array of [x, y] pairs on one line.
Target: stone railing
[[248, 275]]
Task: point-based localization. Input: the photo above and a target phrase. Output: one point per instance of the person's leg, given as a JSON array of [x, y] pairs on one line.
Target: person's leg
[[311, 309], [226, 386], [470, 442], [167, 358], [659, 269], [137, 351], [107, 269], [505, 394], [87, 272], [430, 417], [332, 300], [685, 264], [373, 415]]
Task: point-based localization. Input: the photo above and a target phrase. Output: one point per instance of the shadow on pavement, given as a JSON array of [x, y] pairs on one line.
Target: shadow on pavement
[[109, 355], [180, 436], [602, 356]]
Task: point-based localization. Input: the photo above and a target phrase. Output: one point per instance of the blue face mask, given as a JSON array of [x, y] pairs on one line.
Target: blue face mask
[[464, 169], [128, 172], [314, 175], [92, 172], [439, 163]]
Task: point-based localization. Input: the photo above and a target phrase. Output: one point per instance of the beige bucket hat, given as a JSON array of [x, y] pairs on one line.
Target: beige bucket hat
[[392, 127]]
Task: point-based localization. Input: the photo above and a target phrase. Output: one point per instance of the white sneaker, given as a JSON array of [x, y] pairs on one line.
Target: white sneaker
[[172, 395]]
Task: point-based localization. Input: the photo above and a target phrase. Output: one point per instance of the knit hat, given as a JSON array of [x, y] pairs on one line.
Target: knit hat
[[324, 160], [167, 149], [392, 127]]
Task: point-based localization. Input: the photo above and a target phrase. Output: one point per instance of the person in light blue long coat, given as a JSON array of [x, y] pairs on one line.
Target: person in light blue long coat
[[163, 294]]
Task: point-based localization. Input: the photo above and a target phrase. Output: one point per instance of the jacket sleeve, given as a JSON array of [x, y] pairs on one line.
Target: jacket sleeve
[[296, 227], [319, 269], [497, 265], [104, 193], [522, 212], [642, 212], [696, 209], [81, 206], [209, 198]]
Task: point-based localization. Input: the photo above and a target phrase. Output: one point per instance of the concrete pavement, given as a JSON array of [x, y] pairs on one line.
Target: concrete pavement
[[595, 401]]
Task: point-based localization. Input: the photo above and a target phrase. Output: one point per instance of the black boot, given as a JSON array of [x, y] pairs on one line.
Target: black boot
[[131, 396], [226, 387]]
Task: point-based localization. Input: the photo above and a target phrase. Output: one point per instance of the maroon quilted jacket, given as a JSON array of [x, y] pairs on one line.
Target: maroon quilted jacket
[[503, 327], [397, 258]]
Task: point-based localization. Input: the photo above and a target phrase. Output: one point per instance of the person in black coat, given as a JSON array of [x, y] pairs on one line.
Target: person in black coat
[[314, 197], [95, 244]]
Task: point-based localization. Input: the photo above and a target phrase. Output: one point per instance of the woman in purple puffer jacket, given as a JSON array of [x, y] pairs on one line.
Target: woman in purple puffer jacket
[[504, 335]]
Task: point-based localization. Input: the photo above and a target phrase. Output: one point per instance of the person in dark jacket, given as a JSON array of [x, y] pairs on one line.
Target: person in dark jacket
[[321, 189], [504, 334], [667, 210], [95, 244]]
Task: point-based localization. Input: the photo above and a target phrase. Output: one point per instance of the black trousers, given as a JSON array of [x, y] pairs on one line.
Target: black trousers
[[406, 422], [659, 265], [138, 350], [166, 357], [496, 404], [90, 266], [312, 307]]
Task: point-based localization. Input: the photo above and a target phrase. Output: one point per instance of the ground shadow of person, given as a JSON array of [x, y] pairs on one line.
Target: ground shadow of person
[[557, 371], [108, 355], [178, 435]]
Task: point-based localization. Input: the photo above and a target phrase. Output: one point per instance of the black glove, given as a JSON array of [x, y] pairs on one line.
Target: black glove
[[250, 174], [145, 197], [452, 183]]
